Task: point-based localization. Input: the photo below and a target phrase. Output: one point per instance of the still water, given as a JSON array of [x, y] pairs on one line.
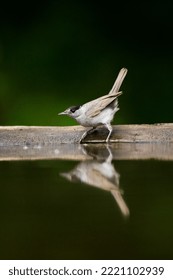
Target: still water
[[94, 209]]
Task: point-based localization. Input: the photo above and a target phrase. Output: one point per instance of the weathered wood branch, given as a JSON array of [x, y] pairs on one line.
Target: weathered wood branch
[[127, 142], [43, 135]]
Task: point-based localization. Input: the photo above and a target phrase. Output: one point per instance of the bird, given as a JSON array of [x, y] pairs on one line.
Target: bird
[[99, 111], [101, 174]]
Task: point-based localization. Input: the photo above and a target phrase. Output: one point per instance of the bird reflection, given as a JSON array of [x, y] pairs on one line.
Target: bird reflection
[[100, 174]]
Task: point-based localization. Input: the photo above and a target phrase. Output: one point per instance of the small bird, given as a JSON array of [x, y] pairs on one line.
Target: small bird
[[99, 111], [100, 174]]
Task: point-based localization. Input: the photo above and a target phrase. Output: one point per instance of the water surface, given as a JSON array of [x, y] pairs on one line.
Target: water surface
[[94, 209]]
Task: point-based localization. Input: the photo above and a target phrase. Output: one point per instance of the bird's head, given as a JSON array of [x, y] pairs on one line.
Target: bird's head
[[73, 112]]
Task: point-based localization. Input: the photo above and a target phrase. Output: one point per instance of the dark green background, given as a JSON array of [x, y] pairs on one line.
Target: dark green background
[[54, 54]]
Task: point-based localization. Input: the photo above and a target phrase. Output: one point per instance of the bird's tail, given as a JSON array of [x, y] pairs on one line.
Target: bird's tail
[[121, 203], [118, 81]]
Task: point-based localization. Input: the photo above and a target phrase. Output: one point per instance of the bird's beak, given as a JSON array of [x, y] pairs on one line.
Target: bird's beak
[[66, 175], [63, 113]]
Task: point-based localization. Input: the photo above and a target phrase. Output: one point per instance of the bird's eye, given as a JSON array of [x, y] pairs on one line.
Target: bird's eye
[[74, 108]]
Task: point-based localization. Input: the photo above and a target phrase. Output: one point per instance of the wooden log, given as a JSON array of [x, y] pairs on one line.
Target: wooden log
[[127, 142], [43, 135]]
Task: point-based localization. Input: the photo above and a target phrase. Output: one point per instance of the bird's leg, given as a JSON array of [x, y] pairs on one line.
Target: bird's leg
[[109, 127], [83, 136], [86, 133], [110, 156]]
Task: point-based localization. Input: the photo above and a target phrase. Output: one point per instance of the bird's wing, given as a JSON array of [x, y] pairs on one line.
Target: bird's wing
[[93, 108], [118, 82]]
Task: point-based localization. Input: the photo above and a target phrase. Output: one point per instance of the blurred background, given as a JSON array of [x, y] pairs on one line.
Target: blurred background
[[54, 54]]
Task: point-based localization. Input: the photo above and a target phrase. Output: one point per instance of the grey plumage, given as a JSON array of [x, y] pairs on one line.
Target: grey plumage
[[100, 103], [100, 174], [99, 111]]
